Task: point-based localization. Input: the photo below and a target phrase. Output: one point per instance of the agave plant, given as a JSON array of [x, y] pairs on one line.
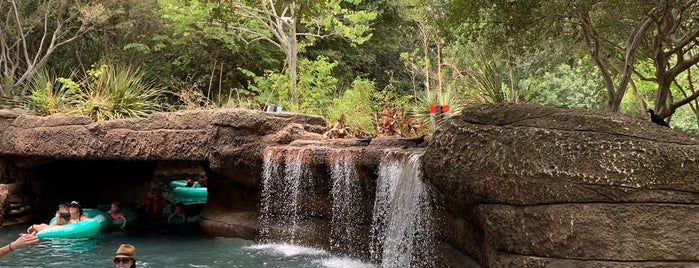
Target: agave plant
[[421, 110], [116, 92], [46, 96]]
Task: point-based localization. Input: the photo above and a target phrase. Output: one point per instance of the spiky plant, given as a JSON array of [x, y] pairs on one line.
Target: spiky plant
[[119, 92], [46, 96], [421, 108]]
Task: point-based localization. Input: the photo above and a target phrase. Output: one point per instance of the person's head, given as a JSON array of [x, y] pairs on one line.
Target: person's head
[[62, 217], [63, 206], [75, 208], [125, 256], [116, 206]]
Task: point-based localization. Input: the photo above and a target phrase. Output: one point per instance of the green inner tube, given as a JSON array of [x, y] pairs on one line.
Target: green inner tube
[[189, 195], [182, 183], [130, 214], [83, 229]]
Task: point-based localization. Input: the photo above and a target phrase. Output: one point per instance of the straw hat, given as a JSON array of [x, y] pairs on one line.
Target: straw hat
[[126, 250]]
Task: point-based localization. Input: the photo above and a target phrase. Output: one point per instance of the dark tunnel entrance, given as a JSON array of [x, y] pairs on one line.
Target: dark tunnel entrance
[[98, 183]]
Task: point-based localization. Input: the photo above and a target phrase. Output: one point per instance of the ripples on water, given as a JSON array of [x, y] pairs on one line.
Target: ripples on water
[[169, 250]]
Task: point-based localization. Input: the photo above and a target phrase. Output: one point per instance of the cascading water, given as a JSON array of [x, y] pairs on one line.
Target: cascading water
[[347, 201], [389, 172], [280, 192], [401, 222], [400, 231]]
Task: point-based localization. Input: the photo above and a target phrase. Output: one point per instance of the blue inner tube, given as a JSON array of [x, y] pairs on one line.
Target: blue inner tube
[[130, 214], [98, 215], [83, 229], [182, 183], [189, 195]]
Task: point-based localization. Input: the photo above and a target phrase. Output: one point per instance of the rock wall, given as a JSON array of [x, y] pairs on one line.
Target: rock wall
[[531, 186], [227, 143]]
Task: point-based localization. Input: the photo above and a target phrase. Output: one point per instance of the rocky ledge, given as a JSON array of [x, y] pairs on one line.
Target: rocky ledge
[[533, 186]]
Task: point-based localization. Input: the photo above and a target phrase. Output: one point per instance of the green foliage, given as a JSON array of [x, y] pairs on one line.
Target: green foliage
[[316, 85], [567, 86], [485, 83], [117, 92], [356, 105], [46, 97], [32, 31], [352, 24], [274, 88], [421, 108]]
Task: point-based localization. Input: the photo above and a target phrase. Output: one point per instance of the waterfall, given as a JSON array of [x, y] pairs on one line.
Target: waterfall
[[389, 172], [347, 202], [398, 229], [401, 225], [281, 192]]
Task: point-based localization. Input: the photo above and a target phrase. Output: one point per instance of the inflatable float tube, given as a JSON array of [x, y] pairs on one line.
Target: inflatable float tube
[[83, 229], [182, 183], [130, 214], [189, 195]]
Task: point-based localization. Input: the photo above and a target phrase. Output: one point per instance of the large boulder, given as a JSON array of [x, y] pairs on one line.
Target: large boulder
[[531, 186]]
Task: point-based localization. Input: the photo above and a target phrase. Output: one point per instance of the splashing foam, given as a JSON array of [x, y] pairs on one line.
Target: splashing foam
[[289, 250]]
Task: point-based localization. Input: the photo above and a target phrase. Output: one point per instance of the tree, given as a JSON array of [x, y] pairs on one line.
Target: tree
[[33, 30], [664, 31], [288, 25]]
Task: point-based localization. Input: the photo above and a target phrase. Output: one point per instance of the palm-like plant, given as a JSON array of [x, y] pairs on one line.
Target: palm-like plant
[[46, 96], [115, 92], [421, 109]]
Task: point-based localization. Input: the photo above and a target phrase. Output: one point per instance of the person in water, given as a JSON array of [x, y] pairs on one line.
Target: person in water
[[154, 204], [189, 182], [62, 218], [178, 211], [125, 256], [115, 214], [76, 212], [24, 240], [57, 220]]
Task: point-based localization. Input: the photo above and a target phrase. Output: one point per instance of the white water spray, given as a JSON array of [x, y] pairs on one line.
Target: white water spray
[[401, 225]]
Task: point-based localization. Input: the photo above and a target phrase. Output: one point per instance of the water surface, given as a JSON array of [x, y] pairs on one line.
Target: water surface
[[168, 250]]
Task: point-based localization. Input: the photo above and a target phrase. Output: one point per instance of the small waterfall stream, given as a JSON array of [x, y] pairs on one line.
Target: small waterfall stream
[[398, 233], [347, 201], [281, 192], [390, 170], [402, 214]]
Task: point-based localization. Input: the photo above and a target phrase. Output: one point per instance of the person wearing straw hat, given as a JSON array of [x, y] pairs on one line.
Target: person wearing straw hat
[[125, 256]]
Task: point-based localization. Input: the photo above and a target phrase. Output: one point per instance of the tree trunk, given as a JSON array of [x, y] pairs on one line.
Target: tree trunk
[[293, 63]]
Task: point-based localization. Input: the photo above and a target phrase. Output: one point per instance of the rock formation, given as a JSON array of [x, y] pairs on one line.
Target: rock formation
[[531, 186], [518, 185], [227, 142]]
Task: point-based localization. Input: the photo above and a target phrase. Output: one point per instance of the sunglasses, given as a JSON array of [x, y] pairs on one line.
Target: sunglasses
[[122, 260]]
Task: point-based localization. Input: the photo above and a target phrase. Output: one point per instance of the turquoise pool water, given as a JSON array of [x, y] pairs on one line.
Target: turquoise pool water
[[168, 250]]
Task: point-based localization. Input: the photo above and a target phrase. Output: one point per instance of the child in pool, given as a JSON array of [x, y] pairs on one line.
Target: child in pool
[[62, 218], [114, 214], [178, 211]]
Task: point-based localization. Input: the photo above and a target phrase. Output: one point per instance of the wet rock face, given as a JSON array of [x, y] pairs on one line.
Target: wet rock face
[[528, 186]]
